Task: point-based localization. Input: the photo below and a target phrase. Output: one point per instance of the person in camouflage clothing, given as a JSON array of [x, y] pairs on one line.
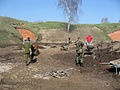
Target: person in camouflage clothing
[[27, 47], [79, 50]]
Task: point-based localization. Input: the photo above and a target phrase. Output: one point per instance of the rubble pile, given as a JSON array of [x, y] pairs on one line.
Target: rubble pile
[[54, 74], [59, 74]]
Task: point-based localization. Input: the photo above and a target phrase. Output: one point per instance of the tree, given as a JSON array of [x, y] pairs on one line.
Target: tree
[[70, 8], [104, 20], [118, 21]]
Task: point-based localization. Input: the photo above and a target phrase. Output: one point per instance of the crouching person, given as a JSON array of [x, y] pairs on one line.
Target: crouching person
[[88, 41], [36, 50]]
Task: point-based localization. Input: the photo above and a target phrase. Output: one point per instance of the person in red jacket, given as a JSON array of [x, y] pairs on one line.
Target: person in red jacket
[[88, 41]]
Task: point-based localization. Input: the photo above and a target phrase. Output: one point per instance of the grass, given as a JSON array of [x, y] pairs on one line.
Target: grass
[[46, 25], [109, 27], [85, 25], [7, 31], [106, 28], [37, 26]]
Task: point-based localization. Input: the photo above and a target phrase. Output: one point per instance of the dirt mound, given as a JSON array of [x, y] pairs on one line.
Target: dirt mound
[[61, 35], [26, 33], [115, 35]]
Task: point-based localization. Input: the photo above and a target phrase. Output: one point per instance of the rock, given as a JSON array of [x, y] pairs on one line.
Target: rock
[[59, 74], [54, 73]]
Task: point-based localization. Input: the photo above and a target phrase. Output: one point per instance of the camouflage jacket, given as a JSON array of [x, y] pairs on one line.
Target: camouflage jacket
[[27, 46], [79, 46]]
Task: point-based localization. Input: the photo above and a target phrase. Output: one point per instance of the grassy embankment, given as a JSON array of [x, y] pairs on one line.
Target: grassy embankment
[[8, 34], [109, 28], [105, 28]]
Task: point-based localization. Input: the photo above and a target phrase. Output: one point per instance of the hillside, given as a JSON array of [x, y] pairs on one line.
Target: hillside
[[53, 31], [57, 32], [109, 27], [8, 34], [60, 35]]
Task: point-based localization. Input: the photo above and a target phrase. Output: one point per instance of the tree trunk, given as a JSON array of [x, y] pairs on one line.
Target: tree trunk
[[68, 27], [69, 19], [69, 16]]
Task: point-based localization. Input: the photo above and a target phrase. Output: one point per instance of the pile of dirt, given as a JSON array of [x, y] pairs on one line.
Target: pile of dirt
[[26, 33], [115, 35], [61, 35]]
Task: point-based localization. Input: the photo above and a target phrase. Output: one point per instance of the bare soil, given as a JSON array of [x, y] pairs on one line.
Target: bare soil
[[61, 35], [115, 35], [14, 75], [25, 33]]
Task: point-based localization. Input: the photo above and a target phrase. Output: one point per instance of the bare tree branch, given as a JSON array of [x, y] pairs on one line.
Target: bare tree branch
[[70, 8]]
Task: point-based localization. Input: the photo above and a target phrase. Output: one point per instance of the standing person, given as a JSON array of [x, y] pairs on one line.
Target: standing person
[[88, 41], [69, 40], [27, 47], [29, 40], [79, 50], [32, 50]]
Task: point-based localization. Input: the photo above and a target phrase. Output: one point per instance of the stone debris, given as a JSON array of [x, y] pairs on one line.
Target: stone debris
[[54, 73], [105, 83], [59, 74]]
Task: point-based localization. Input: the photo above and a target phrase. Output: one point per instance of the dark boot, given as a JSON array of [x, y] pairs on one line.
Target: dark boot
[[88, 48], [81, 64], [26, 63]]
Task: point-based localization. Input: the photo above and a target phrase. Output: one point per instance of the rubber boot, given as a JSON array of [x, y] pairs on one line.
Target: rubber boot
[[88, 48], [81, 64], [26, 63]]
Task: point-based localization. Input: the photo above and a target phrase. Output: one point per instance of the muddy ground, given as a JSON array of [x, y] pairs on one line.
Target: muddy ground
[[14, 75]]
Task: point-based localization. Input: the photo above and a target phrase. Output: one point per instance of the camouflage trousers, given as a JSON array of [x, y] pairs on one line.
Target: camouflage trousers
[[79, 58], [27, 56]]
